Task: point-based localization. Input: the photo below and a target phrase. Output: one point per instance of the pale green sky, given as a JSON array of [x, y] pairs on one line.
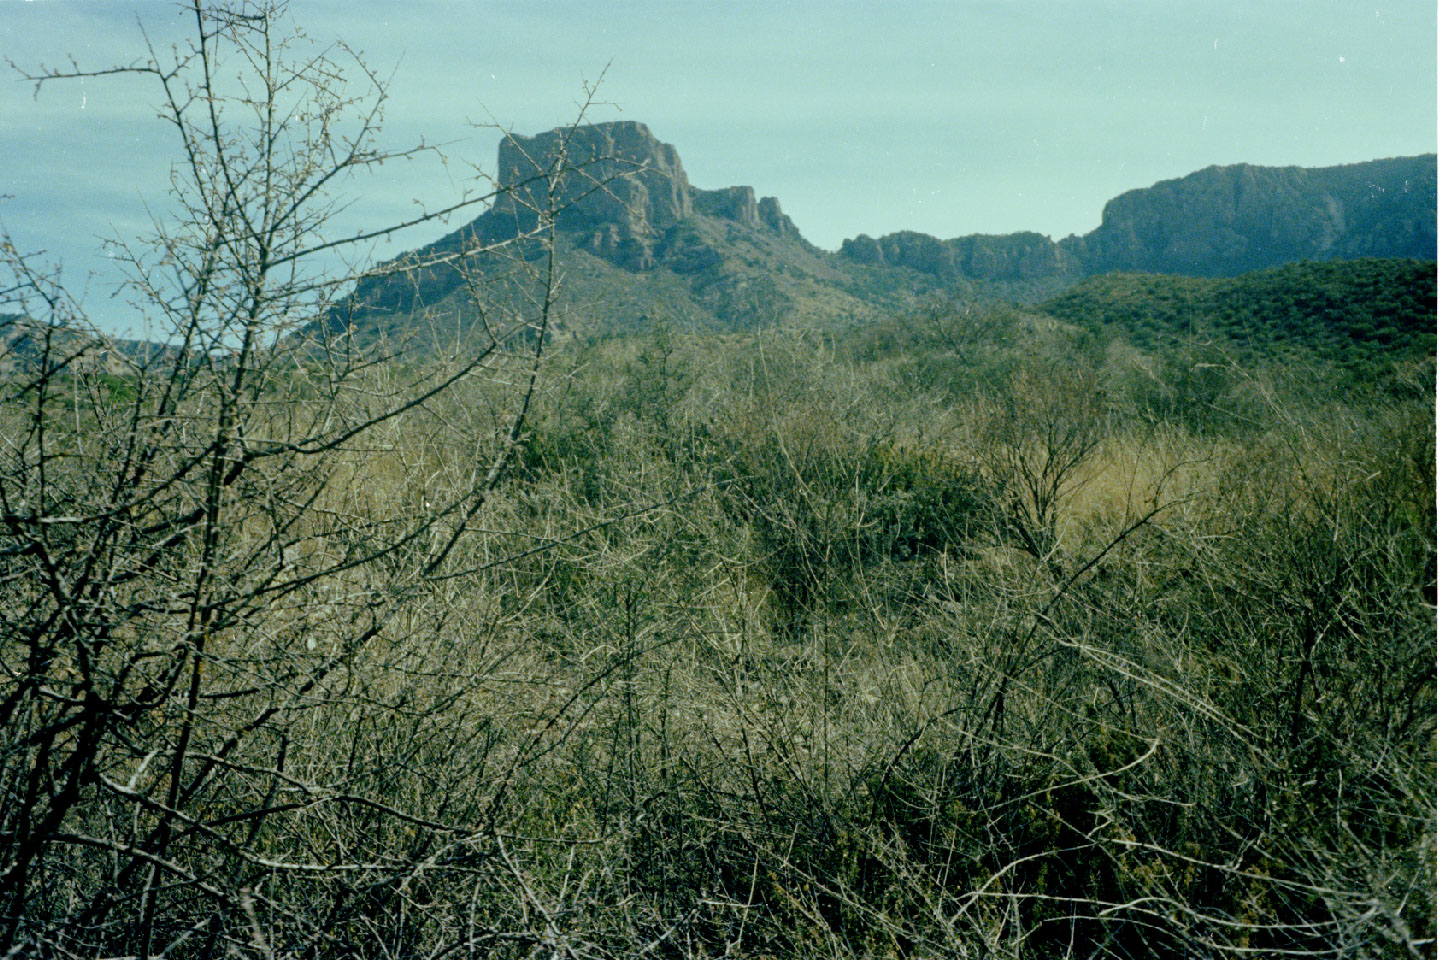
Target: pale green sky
[[862, 117]]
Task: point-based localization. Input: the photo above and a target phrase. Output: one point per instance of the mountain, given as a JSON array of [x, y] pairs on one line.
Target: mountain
[[1223, 221], [28, 346], [982, 257], [637, 240], [1220, 221], [640, 244]]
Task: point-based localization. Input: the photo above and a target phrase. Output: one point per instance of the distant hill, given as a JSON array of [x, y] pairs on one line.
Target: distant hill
[[1223, 221], [1220, 221], [1353, 314], [26, 343], [639, 244]]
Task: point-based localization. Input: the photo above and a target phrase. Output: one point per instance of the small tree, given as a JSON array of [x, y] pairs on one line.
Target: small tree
[[202, 543], [1037, 448]]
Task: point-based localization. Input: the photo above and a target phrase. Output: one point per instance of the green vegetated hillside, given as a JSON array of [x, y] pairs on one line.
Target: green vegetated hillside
[[1362, 316]]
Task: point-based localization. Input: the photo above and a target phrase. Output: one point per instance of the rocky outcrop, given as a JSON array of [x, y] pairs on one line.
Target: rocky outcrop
[[1014, 256], [620, 188], [1220, 221], [772, 216], [1223, 221], [622, 193], [732, 203], [614, 173]]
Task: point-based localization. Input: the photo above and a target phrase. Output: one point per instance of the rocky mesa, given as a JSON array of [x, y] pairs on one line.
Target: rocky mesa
[[639, 242], [621, 196], [1220, 221]]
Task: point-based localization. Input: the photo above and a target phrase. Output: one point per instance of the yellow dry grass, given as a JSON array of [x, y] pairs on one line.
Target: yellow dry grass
[[1130, 475]]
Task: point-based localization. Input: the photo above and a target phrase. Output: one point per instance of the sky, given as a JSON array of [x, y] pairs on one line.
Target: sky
[[861, 116]]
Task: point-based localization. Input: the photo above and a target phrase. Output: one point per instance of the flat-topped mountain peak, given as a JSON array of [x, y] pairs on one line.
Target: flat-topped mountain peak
[[621, 190], [631, 229]]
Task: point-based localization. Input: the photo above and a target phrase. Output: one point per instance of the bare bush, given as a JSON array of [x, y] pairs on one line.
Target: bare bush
[[222, 556], [1036, 445]]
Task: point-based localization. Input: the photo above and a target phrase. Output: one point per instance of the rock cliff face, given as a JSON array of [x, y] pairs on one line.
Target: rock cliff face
[[772, 217], [1013, 256], [732, 203], [630, 221], [623, 193], [1223, 221], [619, 172], [1220, 221]]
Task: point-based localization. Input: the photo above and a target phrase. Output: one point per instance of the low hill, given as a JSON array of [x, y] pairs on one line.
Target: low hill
[[28, 346], [1353, 314]]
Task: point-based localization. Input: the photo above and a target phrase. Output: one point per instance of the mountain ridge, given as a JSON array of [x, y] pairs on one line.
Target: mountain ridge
[[1217, 221], [636, 234]]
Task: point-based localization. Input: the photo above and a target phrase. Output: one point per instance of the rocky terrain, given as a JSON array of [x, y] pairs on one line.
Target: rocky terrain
[[1220, 221], [639, 243], [637, 240]]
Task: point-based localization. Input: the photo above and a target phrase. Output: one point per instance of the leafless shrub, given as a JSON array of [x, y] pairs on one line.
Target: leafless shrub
[[1036, 445], [223, 558]]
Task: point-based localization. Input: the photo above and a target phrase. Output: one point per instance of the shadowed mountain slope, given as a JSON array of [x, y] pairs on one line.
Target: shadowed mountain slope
[[1223, 221]]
